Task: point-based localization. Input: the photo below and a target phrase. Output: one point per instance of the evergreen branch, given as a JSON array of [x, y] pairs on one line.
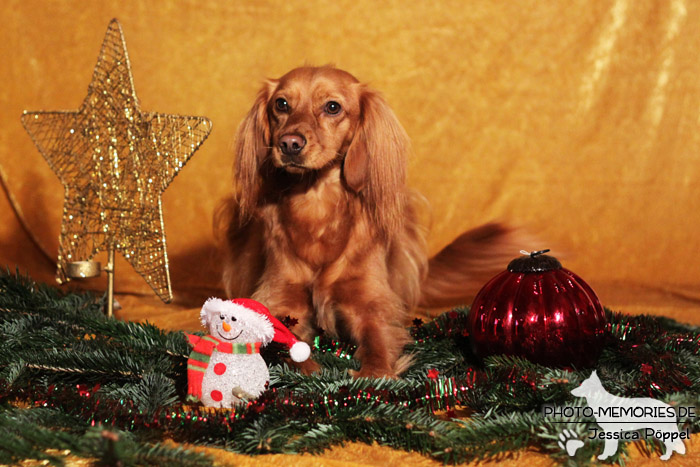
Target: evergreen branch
[[152, 392], [133, 377], [29, 433]]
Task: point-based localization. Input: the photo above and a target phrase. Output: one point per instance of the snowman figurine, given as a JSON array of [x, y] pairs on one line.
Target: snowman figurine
[[225, 366]]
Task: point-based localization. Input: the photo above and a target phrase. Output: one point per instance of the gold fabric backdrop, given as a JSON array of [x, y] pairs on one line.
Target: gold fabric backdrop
[[577, 120]]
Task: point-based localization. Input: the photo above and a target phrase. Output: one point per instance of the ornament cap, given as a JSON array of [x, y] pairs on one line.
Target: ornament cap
[[536, 261]]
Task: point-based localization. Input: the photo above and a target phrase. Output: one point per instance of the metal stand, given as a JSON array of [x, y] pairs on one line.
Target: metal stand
[[110, 282], [86, 269]]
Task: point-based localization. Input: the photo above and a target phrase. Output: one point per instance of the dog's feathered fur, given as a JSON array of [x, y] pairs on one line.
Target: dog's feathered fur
[[331, 236]]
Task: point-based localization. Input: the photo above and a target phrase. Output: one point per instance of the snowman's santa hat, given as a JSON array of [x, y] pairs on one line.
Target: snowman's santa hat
[[257, 317]]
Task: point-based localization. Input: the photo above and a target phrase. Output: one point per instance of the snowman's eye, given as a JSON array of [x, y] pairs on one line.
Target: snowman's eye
[[233, 318], [222, 317]]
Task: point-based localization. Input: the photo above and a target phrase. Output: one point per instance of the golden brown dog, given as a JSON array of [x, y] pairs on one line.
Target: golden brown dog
[[322, 227]]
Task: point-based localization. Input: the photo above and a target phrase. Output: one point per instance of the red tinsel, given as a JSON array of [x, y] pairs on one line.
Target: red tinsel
[[657, 374]]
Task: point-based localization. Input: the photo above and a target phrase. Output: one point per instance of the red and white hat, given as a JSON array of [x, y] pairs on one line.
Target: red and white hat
[[258, 317]]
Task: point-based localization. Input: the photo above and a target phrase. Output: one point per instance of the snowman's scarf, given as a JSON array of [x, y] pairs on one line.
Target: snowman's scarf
[[201, 354]]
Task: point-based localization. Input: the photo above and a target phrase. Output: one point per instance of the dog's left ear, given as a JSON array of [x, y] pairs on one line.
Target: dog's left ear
[[375, 164]]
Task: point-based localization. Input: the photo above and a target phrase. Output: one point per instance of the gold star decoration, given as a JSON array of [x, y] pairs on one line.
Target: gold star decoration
[[115, 162]]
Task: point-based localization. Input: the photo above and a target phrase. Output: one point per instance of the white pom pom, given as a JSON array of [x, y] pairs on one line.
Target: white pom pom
[[300, 351]]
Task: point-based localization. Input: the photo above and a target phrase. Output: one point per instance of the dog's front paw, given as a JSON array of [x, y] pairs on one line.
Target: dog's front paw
[[370, 372], [307, 367]]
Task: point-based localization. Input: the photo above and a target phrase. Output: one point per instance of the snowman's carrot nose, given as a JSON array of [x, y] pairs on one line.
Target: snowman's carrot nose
[[226, 326]]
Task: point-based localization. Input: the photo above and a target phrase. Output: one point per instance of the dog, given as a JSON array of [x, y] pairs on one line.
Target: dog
[[616, 415], [322, 228]]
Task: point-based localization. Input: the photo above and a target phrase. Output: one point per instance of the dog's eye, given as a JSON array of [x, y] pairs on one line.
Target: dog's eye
[[282, 104], [332, 108]]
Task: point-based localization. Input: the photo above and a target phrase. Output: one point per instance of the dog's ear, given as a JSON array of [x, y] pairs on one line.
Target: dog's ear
[[251, 147], [375, 164]]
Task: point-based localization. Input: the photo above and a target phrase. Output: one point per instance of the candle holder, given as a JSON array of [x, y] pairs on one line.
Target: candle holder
[[88, 269]]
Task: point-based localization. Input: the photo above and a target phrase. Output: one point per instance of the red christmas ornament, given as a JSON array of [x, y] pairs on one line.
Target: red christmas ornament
[[538, 310]]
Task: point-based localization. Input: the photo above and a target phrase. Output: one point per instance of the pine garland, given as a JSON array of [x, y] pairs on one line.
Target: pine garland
[[111, 390]]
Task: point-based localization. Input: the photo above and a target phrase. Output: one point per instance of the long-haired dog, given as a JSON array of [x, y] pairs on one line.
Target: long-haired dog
[[323, 229]]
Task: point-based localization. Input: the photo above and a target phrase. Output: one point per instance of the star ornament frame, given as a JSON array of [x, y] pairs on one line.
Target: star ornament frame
[[115, 161]]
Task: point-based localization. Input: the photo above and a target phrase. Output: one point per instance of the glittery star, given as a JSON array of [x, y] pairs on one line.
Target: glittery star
[[115, 162]]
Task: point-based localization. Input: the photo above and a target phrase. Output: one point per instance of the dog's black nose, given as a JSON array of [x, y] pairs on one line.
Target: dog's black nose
[[292, 144]]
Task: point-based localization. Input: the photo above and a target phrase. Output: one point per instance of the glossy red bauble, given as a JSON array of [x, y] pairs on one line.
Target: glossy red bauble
[[538, 310]]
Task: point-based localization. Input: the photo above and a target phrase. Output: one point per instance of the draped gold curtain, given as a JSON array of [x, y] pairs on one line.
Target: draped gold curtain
[[577, 120]]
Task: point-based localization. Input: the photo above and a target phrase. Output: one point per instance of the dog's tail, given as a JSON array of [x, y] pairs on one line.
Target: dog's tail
[[460, 269]]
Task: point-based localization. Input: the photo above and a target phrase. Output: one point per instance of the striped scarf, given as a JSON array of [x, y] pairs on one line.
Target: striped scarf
[[199, 358]]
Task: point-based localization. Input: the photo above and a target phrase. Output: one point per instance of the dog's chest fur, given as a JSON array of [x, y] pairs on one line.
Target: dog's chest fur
[[317, 222]]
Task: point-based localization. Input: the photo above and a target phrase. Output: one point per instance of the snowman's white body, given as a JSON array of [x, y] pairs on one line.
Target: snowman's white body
[[244, 324], [229, 376]]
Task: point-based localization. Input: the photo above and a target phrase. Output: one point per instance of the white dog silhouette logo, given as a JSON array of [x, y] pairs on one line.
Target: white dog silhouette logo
[[624, 417]]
